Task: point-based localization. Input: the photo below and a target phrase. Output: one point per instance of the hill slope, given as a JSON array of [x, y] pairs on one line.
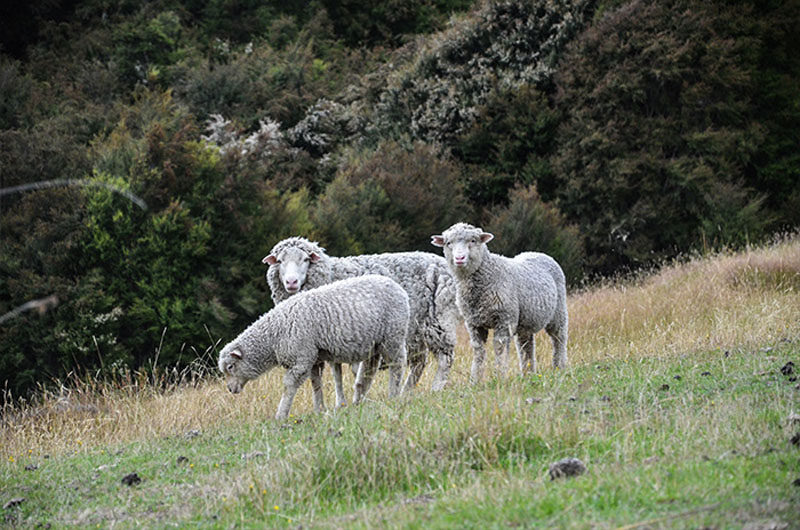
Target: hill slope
[[680, 399]]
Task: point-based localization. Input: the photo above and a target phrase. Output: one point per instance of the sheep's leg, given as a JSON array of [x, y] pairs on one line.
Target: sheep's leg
[[526, 351], [445, 359], [364, 378], [416, 365], [443, 348], [502, 340], [396, 371], [477, 339], [316, 386], [336, 368], [291, 382], [558, 334]]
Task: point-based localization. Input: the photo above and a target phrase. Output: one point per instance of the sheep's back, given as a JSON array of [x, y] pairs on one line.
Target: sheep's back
[[423, 275], [344, 319]]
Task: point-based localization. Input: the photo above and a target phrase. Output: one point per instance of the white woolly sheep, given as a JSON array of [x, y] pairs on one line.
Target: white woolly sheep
[[299, 264], [516, 296], [362, 319]]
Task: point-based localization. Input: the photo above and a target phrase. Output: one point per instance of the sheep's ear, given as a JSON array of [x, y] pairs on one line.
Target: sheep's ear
[[486, 237], [269, 260], [314, 257], [437, 241], [236, 354]]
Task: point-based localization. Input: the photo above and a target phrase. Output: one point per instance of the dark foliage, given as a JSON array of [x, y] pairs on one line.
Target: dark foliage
[[392, 198], [663, 130]]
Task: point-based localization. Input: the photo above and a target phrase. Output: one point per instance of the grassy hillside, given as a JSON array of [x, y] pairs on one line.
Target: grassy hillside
[[675, 399]]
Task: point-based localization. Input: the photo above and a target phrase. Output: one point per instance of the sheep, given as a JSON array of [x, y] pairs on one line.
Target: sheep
[[297, 264], [516, 296], [362, 319]]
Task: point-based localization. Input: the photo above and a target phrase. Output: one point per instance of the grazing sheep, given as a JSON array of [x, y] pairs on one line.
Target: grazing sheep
[[298, 264], [362, 319], [516, 296]]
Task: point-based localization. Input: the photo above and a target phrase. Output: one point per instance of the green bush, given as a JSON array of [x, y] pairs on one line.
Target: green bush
[[391, 199], [655, 128]]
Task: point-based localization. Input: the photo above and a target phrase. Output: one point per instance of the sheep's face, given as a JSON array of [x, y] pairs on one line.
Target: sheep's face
[[236, 369], [293, 264], [464, 246]]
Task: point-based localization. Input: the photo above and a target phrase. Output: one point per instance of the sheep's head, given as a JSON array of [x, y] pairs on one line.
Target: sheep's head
[[292, 262], [464, 246], [234, 364]]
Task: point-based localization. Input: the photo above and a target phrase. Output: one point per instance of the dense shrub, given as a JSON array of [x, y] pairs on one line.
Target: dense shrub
[[388, 22], [658, 98], [502, 45], [389, 199], [510, 143]]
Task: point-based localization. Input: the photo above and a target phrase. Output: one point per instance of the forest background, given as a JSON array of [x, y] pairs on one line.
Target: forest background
[[611, 134]]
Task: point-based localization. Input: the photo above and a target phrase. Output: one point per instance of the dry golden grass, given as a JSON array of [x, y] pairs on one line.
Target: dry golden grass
[[731, 300]]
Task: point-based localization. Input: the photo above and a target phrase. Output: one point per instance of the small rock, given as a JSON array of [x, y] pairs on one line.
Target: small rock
[[664, 387], [194, 433], [254, 454], [532, 400], [788, 368], [31, 467], [567, 467], [181, 460], [131, 479], [16, 501]]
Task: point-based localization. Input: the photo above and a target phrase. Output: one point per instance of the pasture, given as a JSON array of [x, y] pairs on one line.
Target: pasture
[[679, 397]]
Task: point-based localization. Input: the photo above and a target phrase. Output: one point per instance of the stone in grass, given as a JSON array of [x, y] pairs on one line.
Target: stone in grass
[[788, 368], [131, 479], [194, 433], [567, 467], [16, 501]]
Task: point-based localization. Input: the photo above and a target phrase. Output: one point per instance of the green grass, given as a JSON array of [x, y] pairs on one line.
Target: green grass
[[709, 450]]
